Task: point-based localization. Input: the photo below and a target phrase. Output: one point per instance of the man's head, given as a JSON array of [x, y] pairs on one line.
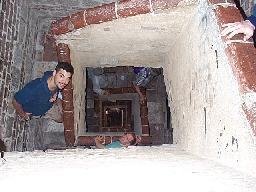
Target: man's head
[[62, 74], [128, 139]]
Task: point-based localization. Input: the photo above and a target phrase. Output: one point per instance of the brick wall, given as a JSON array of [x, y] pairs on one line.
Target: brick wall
[[17, 36], [9, 23]]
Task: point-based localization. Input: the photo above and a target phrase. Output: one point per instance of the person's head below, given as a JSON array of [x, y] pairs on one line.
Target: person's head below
[[128, 139], [62, 74]]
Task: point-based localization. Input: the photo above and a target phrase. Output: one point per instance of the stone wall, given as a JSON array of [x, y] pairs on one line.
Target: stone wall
[[247, 6], [18, 39], [10, 77]]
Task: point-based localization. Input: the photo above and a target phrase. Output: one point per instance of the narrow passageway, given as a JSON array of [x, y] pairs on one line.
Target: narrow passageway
[[157, 168]]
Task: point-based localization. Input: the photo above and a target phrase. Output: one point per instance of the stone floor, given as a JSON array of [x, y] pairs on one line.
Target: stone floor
[[163, 168]]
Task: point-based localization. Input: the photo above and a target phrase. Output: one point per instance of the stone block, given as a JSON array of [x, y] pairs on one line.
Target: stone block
[[122, 80], [92, 128], [164, 4], [78, 19], [9, 127], [100, 14], [90, 103], [132, 7], [155, 108], [53, 140], [90, 112], [152, 96], [92, 121]]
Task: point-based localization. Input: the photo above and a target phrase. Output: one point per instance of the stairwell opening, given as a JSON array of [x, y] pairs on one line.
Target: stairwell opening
[[113, 106], [148, 40]]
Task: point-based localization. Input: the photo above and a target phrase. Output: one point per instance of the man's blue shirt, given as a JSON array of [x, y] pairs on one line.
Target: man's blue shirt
[[115, 144], [34, 97]]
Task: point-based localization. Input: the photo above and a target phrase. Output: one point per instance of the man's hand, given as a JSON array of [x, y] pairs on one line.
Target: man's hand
[[53, 98], [100, 139], [26, 116], [244, 27], [21, 113], [99, 142]]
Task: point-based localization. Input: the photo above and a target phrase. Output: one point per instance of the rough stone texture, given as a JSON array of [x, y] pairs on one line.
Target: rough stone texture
[[17, 41], [247, 6]]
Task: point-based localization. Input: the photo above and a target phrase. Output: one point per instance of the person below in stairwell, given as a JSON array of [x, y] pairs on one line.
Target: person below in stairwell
[[246, 27], [99, 81], [124, 141], [40, 96], [144, 75]]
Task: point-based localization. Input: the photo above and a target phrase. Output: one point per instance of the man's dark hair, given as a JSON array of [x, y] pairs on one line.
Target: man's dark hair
[[65, 66], [132, 142]]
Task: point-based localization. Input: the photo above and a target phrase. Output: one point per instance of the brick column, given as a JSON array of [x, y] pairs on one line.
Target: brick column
[[63, 54]]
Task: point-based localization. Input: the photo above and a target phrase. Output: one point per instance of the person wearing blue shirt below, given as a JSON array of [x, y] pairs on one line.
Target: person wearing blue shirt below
[[124, 141], [39, 96], [246, 27]]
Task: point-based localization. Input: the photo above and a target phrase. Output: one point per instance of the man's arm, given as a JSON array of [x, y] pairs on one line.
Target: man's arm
[[137, 89], [246, 27], [19, 110]]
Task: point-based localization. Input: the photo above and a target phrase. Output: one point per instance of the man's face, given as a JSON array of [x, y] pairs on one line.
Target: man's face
[[126, 139], [61, 78]]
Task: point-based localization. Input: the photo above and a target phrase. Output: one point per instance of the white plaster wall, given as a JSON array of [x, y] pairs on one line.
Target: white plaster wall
[[79, 93], [200, 81]]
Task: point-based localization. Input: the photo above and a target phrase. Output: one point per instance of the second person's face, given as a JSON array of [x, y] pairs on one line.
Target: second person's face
[[61, 78]]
